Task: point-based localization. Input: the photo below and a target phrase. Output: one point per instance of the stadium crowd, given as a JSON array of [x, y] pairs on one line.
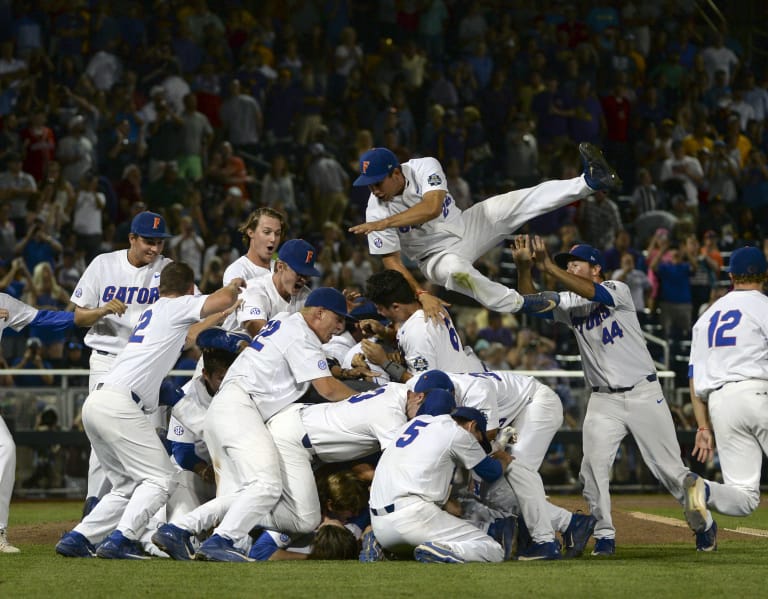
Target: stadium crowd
[[207, 114]]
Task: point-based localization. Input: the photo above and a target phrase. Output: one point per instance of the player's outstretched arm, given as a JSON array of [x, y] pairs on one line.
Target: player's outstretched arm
[[332, 389], [86, 317], [523, 257], [434, 308], [704, 448], [429, 208], [223, 298], [213, 320], [577, 285]]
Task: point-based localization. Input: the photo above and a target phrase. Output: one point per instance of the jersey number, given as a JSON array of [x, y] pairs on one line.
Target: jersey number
[[485, 375], [363, 396], [718, 327], [269, 329], [146, 316], [615, 331], [410, 434], [452, 334]]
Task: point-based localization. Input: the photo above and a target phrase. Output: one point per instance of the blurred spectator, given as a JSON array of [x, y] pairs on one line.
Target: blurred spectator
[[168, 190], [87, 216], [682, 174], [705, 276], [645, 196], [522, 153], [636, 280], [227, 169], [196, 135], [67, 272], [164, 140], [717, 57], [674, 288], [622, 244], [722, 174], [458, 186], [57, 199], [716, 216], [328, 185], [599, 220], [38, 146], [32, 360], [188, 247], [755, 96], [75, 151], [16, 188], [242, 119], [496, 332], [38, 246], [277, 189], [7, 233], [358, 267]]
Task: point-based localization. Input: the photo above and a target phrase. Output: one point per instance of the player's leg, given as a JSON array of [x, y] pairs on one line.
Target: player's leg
[[420, 522], [7, 478], [739, 415], [98, 484], [298, 510], [603, 430]]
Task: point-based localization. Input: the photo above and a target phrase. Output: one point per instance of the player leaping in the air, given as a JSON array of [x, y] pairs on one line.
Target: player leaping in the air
[[411, 211]]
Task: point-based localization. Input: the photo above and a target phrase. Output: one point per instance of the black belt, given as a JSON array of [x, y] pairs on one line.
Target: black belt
[[104, 353], [387, 509], [306, 442], [134, 397], [650, 378]]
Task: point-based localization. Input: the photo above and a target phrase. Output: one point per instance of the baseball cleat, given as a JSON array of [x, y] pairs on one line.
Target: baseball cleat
[[707, 541], [371, 551], [549, 550], [73, 544], [436, 553], [598, 174], [604, 547], [695, 502], [117, 546], [220, 549], [503, 531], [5, 546], [536, 303], [577, 534], [174, 541]]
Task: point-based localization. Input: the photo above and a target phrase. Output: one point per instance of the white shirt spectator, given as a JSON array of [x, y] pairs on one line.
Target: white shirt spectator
[[88, 207]]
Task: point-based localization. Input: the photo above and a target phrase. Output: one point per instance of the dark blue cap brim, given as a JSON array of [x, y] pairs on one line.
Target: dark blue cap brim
[[152, 235], [563, 259], [365, 180]]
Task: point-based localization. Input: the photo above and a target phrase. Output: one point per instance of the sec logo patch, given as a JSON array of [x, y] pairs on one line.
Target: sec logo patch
[[78, 292], [255, 311], [434, 179], [377, 242], [420, 364], [178, 430], [322, 364]]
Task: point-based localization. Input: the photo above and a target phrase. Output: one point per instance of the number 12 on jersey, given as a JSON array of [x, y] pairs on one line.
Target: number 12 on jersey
[[719, 325]]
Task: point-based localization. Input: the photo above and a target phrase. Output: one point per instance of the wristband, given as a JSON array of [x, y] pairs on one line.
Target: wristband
[[395, 371], [701, 428], [421, 292]]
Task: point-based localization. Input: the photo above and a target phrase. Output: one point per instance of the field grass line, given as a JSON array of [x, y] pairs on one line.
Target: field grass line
[[742, 530]]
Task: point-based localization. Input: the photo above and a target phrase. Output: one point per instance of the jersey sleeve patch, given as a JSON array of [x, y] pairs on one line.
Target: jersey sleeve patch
[[434, 180]]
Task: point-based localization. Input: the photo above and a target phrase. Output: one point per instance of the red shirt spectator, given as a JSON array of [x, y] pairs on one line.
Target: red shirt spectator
[[39, 146]]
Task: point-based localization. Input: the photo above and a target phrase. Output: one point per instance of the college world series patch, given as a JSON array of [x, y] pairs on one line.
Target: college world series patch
[[434, 180]]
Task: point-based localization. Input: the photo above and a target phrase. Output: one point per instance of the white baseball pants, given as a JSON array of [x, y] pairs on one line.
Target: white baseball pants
[[487, 223], [7, 472]]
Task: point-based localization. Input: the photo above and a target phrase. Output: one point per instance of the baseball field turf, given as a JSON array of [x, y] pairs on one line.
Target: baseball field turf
[[655, 558]]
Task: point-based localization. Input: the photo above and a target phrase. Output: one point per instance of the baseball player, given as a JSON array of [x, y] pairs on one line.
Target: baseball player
[[331, 432], [128, 276], [135, 459], [626, 394], [729, 370], [412, 483], [285, 291], [261, 235], [410, 210], [424, 345], [272, 373], [17, 315], [536, 412]]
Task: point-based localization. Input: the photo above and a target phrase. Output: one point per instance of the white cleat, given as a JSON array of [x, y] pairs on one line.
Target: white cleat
[[5, 546], [695, 502]]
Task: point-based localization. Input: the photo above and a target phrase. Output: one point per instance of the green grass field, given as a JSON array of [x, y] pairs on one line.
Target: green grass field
[[648, 570]]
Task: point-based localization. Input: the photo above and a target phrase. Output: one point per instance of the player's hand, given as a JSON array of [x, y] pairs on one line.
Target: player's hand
[[358, 372], [540, 254], [114, 306], [704, 448], [521, 251], [370, 327], [434, 308], [503, 457], [374, 352], [237, 283], [4, 314], [351, 296], [365, 228]]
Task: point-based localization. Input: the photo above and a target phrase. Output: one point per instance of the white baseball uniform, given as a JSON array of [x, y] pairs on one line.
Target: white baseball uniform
[[626, 398], [262, 301], [729, 367], [426, 346], [454, 240], [110, 276], [273, 372], [412, 483], [244, 268], [382, 378], [134, 458]]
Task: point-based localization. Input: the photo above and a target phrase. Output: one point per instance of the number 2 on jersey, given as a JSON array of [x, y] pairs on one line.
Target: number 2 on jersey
[[719, 326], [268, 329], [146, 316]]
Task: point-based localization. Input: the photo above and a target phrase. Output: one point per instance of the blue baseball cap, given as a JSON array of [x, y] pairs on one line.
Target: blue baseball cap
[[480, 420], [150, 225], [434, 379], [436, 403], [747, 261], [376, 164], [366, 309], [300, 256], [330, 299], [582, 252], [217, 338]]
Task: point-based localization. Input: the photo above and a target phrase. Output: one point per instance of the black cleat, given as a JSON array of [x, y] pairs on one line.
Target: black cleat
[[598, 174]]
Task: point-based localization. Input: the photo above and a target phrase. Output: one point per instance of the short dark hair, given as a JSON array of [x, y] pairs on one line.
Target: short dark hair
[[176, 278], [334, 542], [253, 222], [215, 359], [388, 287]]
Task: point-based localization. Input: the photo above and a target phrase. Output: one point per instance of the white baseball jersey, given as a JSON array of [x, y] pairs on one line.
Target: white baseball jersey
[[243, 268], [416, 241], [426, 346], [278, 365], [611, 343], [730, 342], [262, 301], [421, 459], [188, 415], [339, 345], [382, 377], [20, 314], [154, 346], [358, 426], [110, 276]]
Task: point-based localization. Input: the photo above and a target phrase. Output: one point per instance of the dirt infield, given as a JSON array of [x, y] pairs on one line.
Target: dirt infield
[[629, 529]]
